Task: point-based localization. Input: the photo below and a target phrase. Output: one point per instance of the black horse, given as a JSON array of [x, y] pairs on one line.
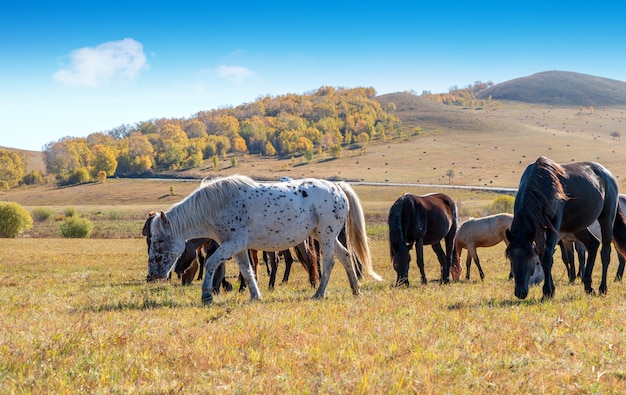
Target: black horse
[[421, 220], [553, 199]]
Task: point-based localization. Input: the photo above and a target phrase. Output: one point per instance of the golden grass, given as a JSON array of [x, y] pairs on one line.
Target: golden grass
[[79, 317]]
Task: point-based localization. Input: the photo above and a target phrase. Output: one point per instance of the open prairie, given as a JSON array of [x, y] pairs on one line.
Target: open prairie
[[79, 316]]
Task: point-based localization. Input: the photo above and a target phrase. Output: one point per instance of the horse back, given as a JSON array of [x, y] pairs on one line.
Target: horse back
[[430, 217], [592, 192]]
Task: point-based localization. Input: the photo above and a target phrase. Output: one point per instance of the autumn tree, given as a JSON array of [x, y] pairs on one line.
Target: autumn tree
[[66, 157], [12, 169], [104, 159], [194, 128], [239, 145], [171, 146]]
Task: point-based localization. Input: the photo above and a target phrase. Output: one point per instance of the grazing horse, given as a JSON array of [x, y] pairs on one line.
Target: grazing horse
[[241, 214], [553, 199], [421, 220], [307, 256], [479, 232]]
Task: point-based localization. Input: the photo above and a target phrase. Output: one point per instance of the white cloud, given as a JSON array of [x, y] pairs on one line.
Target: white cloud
[[113, 60], [235, 74]]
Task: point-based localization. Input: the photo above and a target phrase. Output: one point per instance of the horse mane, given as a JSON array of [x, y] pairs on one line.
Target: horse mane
[[540, 186], [208, 201], [396, 237]]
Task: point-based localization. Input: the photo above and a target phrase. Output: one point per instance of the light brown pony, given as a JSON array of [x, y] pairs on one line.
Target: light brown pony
[[478, 232]]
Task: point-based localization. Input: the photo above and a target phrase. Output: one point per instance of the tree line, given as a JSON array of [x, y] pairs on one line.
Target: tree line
[[314, 123]]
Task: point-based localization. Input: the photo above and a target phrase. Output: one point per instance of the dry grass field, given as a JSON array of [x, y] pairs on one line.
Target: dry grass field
[[78, 316]]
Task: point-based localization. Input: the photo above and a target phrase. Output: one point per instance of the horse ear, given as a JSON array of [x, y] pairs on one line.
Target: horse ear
[[509, 235], [163, 218], [145, 229]]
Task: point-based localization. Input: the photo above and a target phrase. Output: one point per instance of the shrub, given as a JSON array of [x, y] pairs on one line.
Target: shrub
[[502, 204], [78, 176], [71, 212], [41, 214], [76, 227], [14, 219]]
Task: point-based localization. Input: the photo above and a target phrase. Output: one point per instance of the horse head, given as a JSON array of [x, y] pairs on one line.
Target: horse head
[[523, 257], [163, 248], [401, 259]]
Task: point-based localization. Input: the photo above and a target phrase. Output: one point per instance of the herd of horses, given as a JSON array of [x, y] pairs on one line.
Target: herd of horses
[[575, 205]]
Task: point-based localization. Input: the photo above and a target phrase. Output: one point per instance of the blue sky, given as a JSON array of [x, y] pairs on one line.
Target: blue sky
[[71, 68]]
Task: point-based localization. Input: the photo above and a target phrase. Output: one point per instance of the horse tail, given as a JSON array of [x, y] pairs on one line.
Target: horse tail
[[619, 232], [455, 264], [397, 245], [356, 234]]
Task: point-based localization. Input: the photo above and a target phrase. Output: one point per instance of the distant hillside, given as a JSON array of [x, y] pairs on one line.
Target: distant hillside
[[560, 88]]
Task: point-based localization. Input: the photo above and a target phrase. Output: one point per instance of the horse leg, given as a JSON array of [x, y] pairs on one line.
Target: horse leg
[[218, 278], [190, 272], [306, 257], [468, 265], [477, 261], [265, 260], [242, 283], [546, 263], [567, 255], [605, 254], [201, 259], [211, 264], [274, 264], [591, 244], [620, 268], [327, 251], [445, 267], [347, 262], [419, 255], [247, 272], [580, 252], [288, 262]]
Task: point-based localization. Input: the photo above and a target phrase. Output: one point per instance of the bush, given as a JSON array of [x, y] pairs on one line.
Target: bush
[[502, 204], [76, 227], [71, 212], [14, 219], [41, 214]]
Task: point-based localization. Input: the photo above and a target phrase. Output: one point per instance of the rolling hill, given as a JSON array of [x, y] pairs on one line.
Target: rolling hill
[[462, 146], [560, 88]]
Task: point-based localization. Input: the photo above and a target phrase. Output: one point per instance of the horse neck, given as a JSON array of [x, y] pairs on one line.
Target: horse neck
[[183, 225]]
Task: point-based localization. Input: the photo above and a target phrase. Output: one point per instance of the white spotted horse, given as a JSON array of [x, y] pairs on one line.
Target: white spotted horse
[[240, 214]]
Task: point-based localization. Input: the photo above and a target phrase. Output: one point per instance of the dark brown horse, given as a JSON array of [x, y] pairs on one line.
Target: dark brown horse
[[421, 220], [553, 199]]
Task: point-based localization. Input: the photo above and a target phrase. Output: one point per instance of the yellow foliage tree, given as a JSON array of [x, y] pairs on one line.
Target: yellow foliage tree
[[104, 159], [12, 168]]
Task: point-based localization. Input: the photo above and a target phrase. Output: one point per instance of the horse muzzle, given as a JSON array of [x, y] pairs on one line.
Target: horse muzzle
[[152, 277], [521, 292]]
